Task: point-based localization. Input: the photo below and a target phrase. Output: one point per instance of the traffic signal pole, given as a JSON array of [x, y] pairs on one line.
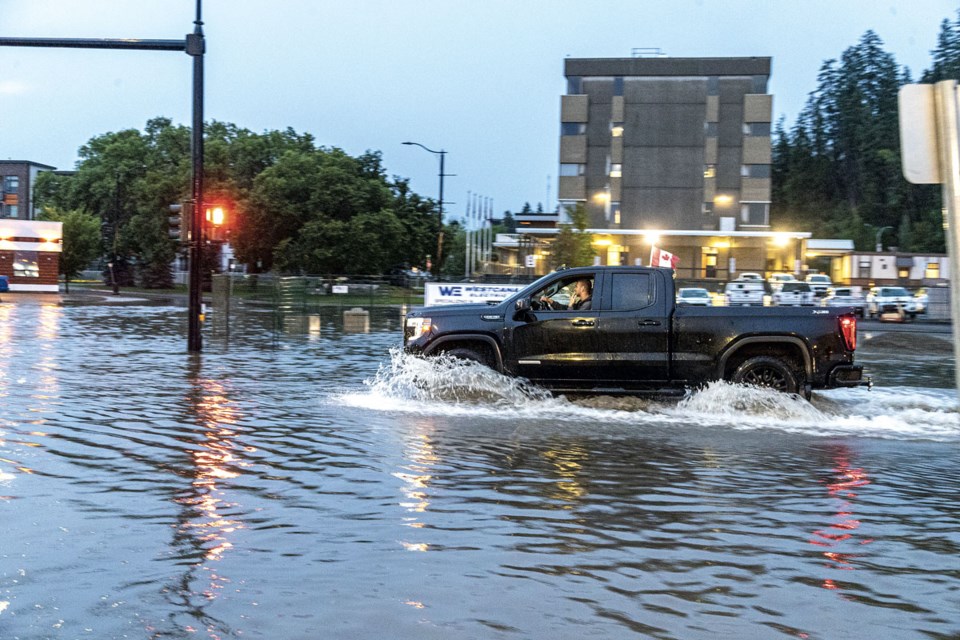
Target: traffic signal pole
[[193, 45], [195, 48]]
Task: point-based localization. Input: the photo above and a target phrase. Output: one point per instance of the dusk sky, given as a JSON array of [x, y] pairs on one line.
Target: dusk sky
[[480, 79]]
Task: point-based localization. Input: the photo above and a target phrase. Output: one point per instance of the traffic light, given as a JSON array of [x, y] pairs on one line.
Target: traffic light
[[216, 222], [179, 222]]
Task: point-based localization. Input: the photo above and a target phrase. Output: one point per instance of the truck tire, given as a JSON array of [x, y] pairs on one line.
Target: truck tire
[[766, 371], [474, 355]]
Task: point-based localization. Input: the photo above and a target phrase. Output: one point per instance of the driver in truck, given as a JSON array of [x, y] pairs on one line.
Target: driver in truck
[[581, 300]]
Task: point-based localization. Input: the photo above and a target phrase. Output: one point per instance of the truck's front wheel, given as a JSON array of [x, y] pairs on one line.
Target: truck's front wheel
[[765, 371], [474, 354]]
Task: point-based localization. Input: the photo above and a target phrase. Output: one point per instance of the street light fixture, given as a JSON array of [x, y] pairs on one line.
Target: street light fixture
[[442, 154]]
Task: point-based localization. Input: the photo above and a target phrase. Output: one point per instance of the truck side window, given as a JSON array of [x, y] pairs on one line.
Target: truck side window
[[631, 291]]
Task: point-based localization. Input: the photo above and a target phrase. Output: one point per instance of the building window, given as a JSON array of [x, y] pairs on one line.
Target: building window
[[571, 169], [713, 86], [11, 184], [755, 213], [709, 171], [710, 129], [707, 208], [755, 170], [573, 128], [9, 210], [574, 85], [616, 129], [615, 210], [618, 85], [759, 84], [756, 129], [25, 264], [903, 273], [863, 268], [932, 271], [616, 170]]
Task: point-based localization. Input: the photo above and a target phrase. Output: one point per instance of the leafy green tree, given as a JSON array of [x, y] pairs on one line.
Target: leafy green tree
[[572, 246], [81, 241], [293, 206]]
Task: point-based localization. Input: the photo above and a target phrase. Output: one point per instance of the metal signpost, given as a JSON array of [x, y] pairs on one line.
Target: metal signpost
[[193, 45], [930, 147]]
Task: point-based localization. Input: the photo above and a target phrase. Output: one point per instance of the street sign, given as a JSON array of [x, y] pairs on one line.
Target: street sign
[[918, 134]]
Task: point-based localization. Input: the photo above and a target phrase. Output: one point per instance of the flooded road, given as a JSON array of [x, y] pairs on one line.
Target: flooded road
[[320, 486]]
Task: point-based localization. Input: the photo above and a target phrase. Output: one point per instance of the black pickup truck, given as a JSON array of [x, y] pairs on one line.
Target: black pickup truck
[[631, 337]]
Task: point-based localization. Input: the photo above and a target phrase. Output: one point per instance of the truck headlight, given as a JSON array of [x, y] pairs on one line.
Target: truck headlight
[[416, 327]]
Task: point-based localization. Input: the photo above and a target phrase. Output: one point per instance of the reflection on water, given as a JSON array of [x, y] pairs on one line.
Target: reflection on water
[[205, 526], [263, 490], [841, 533]]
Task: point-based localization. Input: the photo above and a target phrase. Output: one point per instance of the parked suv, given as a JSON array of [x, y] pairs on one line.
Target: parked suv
[[777, 280], [794, 294], [744, 293], [695, 296], [883, 300], [820, 283], [845, 297]]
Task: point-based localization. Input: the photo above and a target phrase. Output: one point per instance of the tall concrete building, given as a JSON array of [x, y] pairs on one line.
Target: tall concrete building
[[674, 152]]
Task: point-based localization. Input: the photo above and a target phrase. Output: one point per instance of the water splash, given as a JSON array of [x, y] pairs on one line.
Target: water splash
[[451, 387], [448, 379]]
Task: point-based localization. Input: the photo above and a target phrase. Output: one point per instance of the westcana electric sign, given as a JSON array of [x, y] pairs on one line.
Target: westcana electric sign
[[436, 293]]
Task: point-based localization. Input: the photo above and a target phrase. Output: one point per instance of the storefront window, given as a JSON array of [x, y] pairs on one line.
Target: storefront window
[[25, 264]]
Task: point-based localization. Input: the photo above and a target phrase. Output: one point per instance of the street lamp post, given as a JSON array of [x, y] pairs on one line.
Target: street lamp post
[[441, 153], [880, 233]]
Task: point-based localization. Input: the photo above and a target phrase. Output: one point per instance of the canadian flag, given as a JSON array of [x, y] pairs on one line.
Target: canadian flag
[[661, 258]]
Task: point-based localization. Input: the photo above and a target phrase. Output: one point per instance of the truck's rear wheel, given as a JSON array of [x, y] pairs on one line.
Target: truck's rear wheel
[[765, 371]]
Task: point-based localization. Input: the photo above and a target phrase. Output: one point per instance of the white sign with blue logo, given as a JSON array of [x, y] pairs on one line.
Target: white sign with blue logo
[[438, 293]]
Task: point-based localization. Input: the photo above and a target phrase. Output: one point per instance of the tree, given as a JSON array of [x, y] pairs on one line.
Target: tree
[[572, 246], [838, 169], [81, 241]]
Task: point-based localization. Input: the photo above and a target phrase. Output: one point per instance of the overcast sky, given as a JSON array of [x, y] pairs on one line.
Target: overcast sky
[[481, 79]]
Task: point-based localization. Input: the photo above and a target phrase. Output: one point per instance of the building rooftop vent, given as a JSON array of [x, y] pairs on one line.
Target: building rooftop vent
[[647, 52]]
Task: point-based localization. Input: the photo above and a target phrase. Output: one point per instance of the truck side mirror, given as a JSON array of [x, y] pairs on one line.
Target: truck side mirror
[[521, 305]]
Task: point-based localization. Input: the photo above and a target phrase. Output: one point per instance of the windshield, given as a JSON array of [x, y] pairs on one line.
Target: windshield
[[694, 293], [819, 279], [894, 291]]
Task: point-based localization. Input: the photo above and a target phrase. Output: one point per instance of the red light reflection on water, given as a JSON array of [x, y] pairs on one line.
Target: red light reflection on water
[[841, 533]]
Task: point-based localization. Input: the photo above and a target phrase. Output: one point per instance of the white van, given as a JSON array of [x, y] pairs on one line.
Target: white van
[[744, 293]]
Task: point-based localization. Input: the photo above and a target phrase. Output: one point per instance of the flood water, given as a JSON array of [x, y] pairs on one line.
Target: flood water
[[318, 485]]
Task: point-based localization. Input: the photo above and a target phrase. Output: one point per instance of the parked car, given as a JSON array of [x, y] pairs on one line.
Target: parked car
[[777, 280], [409, 278], [845, 297], [820, 283], [694, 296], [920, 296], [883, 300], [793, 294], [744, 293]]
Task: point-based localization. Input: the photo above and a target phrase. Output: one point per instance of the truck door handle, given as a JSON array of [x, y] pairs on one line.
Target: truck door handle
[[649, 323], [583, 323]]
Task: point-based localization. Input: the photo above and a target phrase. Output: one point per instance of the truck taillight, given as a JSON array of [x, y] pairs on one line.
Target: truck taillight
[[848, 328]]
